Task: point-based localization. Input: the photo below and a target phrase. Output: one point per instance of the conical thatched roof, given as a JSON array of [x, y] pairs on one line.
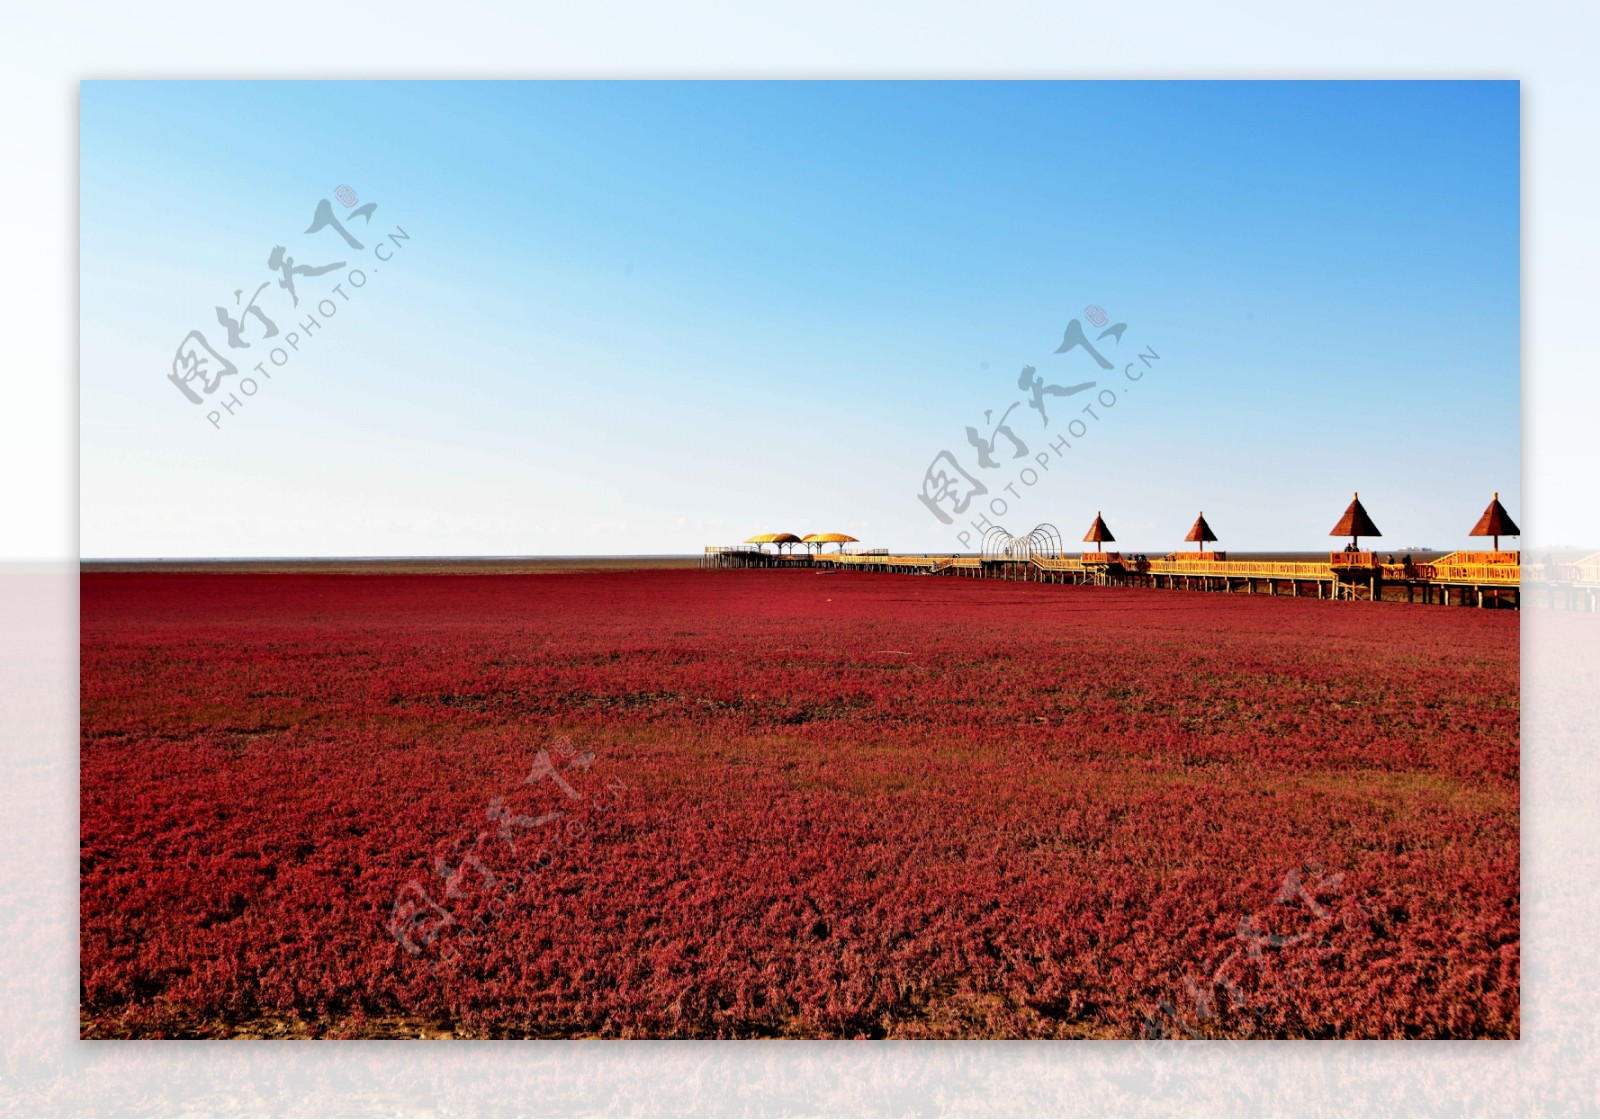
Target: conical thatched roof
[[1355, 522], [830, 538], [1201, 531], [1098, 532], [1495, 522], [772, 538]]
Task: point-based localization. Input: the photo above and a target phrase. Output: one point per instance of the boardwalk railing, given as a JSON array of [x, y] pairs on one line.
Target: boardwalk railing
[[1501, 569], [1468, 576], [1585, 571], [1058, 563], [1242, 569], [923, 562]]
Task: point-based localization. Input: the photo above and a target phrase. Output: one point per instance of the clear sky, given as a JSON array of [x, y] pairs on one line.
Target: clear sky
[[646, 317]]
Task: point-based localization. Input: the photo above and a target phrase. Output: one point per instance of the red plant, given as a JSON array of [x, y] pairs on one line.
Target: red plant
[[847, 806]]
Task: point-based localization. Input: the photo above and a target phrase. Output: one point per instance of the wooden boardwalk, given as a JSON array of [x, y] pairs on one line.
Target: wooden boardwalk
[[1481, 579]]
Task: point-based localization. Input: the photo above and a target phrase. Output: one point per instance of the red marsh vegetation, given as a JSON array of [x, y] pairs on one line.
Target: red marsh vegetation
[[670, 803]]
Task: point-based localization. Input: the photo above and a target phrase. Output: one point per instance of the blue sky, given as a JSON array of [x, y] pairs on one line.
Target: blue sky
[[645, 317]]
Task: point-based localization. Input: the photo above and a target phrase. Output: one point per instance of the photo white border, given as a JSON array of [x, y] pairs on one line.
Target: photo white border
[[45, 1070]]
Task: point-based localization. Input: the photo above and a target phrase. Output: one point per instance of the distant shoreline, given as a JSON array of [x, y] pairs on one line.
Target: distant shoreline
[[380, 565], [511, 565]]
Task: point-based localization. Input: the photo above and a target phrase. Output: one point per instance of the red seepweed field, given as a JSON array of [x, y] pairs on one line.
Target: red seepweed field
[[668, 803]]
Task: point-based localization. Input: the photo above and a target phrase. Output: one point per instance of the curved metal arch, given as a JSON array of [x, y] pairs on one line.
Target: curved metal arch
[[996, 543], [1043, 541], [1046, 540]]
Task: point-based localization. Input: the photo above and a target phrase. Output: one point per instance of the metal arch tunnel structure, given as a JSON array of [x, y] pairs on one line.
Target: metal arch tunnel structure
[[1044, 540], [1488, 578]]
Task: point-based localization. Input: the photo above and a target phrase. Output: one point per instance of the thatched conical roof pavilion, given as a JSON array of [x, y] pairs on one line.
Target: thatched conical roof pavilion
[[1496, 523], [1355, 524], [1201, 532]]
